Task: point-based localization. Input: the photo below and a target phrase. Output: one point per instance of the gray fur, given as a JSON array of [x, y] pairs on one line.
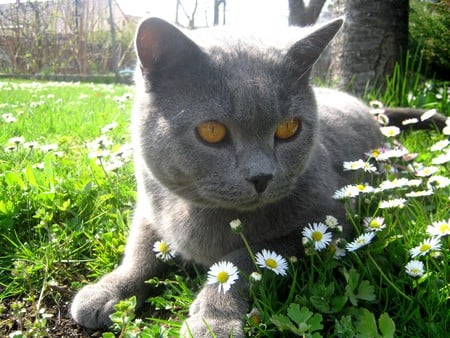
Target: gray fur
[[189, 191]]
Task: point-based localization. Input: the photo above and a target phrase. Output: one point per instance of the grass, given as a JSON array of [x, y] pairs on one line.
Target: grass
[[64, 216]]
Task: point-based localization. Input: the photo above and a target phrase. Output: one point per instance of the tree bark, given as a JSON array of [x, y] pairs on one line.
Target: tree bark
[[373, 39], [301, 15]]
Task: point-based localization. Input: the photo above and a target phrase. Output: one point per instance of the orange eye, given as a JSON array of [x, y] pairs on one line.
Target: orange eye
[[287, 129], [212, 132]]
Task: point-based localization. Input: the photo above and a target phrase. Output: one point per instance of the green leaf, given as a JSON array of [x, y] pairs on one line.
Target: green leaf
[[366, 324], [315, 322], [320, 303], [366, 291], [298, 315], [338, 303], [283, 323], [386, 325], [344, 327]]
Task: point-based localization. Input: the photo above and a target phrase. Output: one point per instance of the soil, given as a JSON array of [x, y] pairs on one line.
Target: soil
[[60, 324]]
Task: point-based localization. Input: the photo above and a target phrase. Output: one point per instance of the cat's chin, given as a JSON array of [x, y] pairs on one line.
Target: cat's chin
[[244, 205]]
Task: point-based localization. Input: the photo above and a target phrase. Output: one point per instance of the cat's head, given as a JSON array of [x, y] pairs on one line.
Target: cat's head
[[232, 126]]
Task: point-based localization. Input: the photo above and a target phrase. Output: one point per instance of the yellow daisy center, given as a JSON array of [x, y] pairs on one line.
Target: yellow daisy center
[[255, 319], [425, 247], [444, 228], [415, 271], [376, 153], [222, 277], [316, 236], [374, 224], [360, 187], [163, 247], [271, 263]]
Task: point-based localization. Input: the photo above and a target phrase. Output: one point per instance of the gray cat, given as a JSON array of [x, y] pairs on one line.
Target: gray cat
[[222, 133]]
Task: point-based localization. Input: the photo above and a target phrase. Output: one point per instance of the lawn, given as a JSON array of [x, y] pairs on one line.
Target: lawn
[[67, 193]]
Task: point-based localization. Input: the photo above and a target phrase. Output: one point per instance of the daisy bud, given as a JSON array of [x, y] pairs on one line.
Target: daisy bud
[[236, 226], [255, 277]]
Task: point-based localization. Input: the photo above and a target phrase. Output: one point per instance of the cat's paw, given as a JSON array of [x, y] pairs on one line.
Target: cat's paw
[[213, 314], [199, 327], [92, 306]]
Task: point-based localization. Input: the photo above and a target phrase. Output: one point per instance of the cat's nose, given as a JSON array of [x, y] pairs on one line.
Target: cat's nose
[[260, 182]]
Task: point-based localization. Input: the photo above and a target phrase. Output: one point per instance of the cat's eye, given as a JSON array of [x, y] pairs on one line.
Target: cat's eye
[[287, 129], [212, 131]]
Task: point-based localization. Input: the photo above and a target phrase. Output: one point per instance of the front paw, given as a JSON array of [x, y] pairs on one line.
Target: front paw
[[214, 314], [92, 306], [199, 327]]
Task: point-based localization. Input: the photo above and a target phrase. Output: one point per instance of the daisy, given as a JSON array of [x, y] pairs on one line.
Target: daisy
[[163, 251], [441, 159], [420, 193], [255, 277], [410, 121], [441, 145], [440, 229], [426, 171], [360, 164], [346, 192], [414, 268], [428, 114], [390, 131], [427, 245], [361, 241], [438, 181], [393, 203], [331, 221], [109, 127], [336, 248], [374, 223], [272, 261], [224, 274], [30, 145], [16, 140], [391, 153], [46, 148], [317, 233], [236, 225]]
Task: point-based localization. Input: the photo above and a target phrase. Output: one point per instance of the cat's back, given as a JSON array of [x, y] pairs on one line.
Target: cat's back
[[346, 123]]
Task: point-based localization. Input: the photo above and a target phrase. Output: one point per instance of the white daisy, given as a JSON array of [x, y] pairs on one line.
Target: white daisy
[[391, 153], [348, 191], [331, 221], [438, 181], [359, 164], [16, 140], [236, 225], [224, 274], [390, 131], [374, 223], [163, 251], [337, 249], [420, 193], [441, 159], [255, 277], [426, 171], [272, 261], [427, 245], [317, 233], [428, 114], [361, 241], [414, 268], [440, 228], [440, 145], [393, 203], [410, 121]]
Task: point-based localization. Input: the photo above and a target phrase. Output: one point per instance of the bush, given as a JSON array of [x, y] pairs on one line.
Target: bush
[[428, 32]]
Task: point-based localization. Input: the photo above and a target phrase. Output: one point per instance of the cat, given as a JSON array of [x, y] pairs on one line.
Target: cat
[[223, 133]]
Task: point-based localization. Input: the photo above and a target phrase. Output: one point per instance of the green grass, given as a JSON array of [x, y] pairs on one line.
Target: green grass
[[64, 216]]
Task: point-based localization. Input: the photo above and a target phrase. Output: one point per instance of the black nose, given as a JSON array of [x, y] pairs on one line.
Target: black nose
[[260, 182]]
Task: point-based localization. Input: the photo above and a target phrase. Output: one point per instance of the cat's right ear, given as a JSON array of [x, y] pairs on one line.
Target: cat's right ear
[[160, 45]]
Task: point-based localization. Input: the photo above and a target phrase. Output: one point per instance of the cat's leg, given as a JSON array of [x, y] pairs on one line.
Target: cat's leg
[[217, 314], [94, 303]]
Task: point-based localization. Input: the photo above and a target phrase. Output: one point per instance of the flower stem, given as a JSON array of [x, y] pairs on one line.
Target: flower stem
[[249, 249], [387, 279]]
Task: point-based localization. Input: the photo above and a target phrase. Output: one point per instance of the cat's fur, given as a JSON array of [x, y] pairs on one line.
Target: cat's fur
[[189, 191]]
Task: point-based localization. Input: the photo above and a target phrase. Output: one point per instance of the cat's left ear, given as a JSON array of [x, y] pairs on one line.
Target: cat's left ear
[[161, 46], [304, 53]]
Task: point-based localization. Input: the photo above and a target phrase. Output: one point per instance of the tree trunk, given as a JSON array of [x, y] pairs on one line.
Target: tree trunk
[[301, 15], [373, 39]]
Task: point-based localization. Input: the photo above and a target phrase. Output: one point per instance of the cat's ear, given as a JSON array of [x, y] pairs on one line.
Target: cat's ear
[[160, 45], [304, 53]]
